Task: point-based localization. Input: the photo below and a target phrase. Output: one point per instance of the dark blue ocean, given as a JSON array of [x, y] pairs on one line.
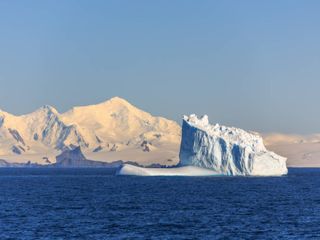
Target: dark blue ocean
[[95, 204]]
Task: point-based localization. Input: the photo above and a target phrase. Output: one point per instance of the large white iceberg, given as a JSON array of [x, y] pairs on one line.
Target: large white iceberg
[[226, 150], [217, 150]]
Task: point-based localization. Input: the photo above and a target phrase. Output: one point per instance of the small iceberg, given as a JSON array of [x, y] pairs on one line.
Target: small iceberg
[[128, 169]]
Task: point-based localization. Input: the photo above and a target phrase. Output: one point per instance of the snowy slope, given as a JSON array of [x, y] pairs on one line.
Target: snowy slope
[[109, 131], [301, 150], [226, 150]]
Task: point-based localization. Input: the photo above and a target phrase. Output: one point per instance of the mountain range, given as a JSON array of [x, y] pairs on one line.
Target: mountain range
[[109, 131]]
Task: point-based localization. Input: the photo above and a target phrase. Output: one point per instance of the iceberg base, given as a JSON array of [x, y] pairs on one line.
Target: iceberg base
[[128, 169]]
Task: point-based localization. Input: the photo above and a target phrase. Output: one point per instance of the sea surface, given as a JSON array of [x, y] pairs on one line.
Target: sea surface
[[96, 204]]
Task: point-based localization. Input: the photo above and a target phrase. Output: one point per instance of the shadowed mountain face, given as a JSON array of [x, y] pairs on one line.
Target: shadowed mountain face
[[109, 127], [75, 158]]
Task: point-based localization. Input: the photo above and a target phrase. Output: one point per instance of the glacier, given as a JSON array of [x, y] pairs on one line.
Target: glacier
[[217, 150]]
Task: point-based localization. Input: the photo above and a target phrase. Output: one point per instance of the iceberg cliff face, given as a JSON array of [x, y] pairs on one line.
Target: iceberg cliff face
[[226, 150]]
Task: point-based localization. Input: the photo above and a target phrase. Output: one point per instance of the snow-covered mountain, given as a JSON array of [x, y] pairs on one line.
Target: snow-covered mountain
[[109, 131], [301, 150], [226, 150]]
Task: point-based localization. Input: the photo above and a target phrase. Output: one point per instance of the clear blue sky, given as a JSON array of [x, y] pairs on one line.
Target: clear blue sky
[[251, 64]]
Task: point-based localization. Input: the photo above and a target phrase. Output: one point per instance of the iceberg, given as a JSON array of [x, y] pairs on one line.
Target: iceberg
[[227, 150], [215, 150]]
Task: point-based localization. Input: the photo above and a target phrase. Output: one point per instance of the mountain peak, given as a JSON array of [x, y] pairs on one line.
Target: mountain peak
[[117, 103], [48, 108], [117, 100]]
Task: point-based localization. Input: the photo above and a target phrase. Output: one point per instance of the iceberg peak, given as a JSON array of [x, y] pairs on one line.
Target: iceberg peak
[[201, 122]]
